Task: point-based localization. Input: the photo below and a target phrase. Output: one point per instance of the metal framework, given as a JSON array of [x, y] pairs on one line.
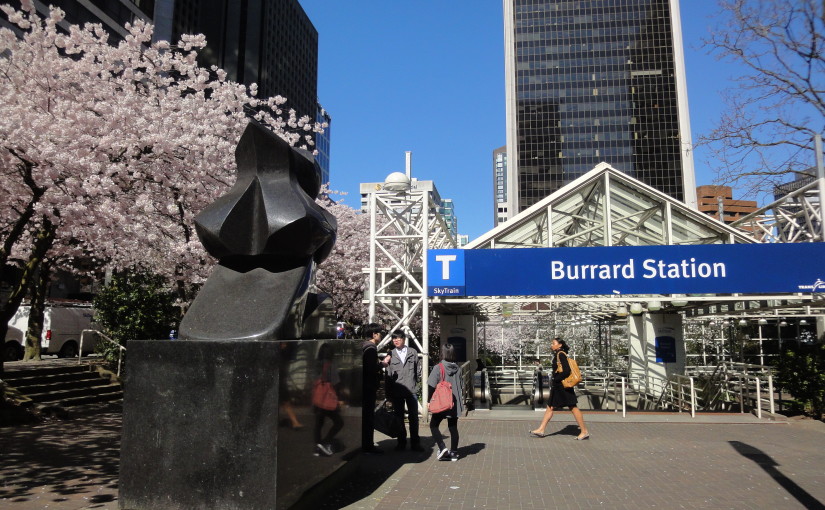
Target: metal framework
[[797, 217], [604, 207], [794, 218], [403, 226]]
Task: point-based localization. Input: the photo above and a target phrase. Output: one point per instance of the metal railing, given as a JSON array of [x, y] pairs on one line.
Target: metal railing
[[121, 349], [466, 375], [619, 386], [511, 381]]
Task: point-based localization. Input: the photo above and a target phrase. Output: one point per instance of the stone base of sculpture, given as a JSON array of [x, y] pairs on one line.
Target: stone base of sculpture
[[211, 424]]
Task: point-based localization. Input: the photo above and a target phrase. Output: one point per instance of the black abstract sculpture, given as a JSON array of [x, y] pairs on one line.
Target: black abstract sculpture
[[268, 234]]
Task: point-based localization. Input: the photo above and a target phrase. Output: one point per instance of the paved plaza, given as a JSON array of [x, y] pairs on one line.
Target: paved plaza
[[642, 461]]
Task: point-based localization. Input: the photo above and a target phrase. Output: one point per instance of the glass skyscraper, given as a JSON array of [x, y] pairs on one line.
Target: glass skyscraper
[[592, 81], [500, 185]]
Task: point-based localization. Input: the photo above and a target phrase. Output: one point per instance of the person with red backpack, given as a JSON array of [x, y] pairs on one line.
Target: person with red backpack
[[445, 377]]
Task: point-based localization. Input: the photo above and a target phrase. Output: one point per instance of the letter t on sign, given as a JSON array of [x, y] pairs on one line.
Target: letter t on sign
[[445, 265]]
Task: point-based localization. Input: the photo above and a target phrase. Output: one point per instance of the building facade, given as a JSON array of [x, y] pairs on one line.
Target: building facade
[[500, 185], [272, 43], [592, 81], [112, 14], [717, 201], [322, 143]]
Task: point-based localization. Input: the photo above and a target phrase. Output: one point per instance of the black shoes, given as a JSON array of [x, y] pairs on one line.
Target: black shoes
[[372, 451], [417, 448]]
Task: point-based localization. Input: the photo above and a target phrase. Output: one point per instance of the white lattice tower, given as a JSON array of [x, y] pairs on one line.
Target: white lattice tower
[[403, 226]]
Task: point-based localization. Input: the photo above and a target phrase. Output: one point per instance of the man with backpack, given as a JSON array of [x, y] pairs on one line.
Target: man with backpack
[[403, 383]]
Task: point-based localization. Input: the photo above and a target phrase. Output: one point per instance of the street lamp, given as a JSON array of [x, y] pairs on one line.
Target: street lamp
[[679, 300]]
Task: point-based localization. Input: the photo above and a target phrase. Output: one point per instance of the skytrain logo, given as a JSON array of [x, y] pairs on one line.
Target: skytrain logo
[[818, 284]]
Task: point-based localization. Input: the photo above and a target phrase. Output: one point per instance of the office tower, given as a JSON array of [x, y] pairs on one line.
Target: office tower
[[447, 211], [593, 81], [272, 43], [322, 142], [500, 185], [112, 14]]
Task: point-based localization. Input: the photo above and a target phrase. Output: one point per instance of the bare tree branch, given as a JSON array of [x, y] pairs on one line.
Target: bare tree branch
[[765, 132]]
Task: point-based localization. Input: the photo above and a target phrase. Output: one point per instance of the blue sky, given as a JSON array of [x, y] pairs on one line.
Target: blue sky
[[428, 76]]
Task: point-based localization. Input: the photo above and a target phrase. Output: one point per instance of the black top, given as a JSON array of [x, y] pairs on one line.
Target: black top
[[559, 395], [371, 371], [558, 377]]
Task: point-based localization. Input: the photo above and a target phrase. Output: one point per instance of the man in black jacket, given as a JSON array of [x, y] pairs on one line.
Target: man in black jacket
[[371, 376]]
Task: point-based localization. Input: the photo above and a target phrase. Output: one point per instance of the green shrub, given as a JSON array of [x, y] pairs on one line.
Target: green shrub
[[801, 372], [135, 305]]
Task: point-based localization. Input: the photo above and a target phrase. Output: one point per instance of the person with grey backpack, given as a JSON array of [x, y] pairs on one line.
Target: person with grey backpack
[[447, 371]]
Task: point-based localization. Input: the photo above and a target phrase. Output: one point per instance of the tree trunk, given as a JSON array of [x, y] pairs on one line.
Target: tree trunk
[[37, 312], [42, 244]]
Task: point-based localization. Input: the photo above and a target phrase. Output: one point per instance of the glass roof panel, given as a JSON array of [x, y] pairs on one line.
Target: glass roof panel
[[531, 233], [689, 231]]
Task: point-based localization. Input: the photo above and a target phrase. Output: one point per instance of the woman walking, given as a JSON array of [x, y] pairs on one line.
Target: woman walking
[[447, 370], [559, 395]]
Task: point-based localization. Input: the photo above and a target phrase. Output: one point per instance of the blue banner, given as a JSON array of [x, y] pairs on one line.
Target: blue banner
[[685, 269]]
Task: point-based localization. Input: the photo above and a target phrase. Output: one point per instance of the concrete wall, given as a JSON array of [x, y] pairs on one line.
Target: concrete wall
[[652, 335]]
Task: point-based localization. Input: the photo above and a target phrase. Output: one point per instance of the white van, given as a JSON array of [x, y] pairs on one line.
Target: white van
[[62, 325]]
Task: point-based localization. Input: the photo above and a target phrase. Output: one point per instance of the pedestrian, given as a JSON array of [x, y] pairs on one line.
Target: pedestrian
[[559, 395], [403, 383], [452, 376], [285, 357], [332, 410], [371, 377]]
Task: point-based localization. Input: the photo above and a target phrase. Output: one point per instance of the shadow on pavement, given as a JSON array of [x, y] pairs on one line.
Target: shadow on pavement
[[568, 430], [769, 465], [465, 451], [74, 459], [363, 476]]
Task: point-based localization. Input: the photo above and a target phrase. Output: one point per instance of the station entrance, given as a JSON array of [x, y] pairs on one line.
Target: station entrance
[[669, 343]]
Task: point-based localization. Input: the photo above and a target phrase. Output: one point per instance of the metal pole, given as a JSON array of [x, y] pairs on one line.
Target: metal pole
[[624, 399], [758, 398], [425, 308], [820, 174], [372, 202], [692, 399], [770, 393]]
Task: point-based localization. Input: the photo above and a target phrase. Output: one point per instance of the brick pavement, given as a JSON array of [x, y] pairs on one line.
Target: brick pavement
[[626, 464]]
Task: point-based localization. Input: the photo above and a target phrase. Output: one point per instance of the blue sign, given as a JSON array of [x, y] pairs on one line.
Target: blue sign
[[665, 349], [684, 269], [445, 272]]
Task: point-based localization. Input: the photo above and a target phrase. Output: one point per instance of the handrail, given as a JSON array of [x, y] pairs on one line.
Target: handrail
[[99, 334], [466, 376], [618, 381]]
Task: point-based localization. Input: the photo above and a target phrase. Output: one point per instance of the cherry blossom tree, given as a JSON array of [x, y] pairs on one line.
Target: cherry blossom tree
[[341, 274], [110, 151]]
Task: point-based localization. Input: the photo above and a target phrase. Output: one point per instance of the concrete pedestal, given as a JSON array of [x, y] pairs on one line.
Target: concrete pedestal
[[203, 428]]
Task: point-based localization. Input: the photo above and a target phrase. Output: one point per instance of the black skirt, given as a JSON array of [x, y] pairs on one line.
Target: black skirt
[[562, 397]]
